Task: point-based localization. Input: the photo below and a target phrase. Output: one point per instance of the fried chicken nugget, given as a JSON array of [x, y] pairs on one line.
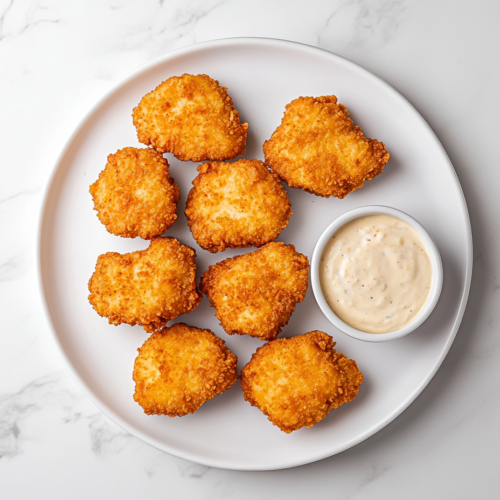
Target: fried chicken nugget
[[317, 148], [193, 118], [135, 195], [296, 381], [148, 287], [236, 205], [255, 294], [181, 367]]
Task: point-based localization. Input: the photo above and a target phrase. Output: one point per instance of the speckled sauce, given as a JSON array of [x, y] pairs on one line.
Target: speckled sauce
[[375, 273]]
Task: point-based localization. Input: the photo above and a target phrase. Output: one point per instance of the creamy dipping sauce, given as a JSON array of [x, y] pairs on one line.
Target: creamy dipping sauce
[[375, 273]]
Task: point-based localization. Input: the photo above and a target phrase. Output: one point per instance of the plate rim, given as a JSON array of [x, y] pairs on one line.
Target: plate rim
[[101, 405]]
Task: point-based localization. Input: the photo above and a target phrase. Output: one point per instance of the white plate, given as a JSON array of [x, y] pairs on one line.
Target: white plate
[[262, 76]]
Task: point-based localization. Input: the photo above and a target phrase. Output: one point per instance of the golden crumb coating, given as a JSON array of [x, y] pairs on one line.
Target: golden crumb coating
[[236, 205], [193, 118], [148, 287], [135, 195], [317, 148], [181, 367], [297, 381], [255, 294]]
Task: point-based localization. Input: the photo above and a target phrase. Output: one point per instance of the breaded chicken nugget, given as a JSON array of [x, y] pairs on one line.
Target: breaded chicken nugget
[[236, 205], [297, 381], [317, 148], [255, 294], [191, 117], [148, 287], [181, 367], [135, 195]]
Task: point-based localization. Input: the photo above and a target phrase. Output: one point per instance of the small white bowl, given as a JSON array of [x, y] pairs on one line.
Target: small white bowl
[[436, 284]]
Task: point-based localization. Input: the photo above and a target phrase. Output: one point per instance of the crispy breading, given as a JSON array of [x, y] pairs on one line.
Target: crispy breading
[[148, 287], [317, 148], [255, 294], [236, 205], [181, 367], [193, 118], [297, 381], [135, 195]]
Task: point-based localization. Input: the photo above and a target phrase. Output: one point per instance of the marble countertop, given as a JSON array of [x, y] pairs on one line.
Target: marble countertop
[[58, 57]]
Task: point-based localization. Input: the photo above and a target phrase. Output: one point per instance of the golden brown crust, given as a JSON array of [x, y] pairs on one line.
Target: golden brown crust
[[297, 381], [135, 195], [193, 118], [317, 148], [148, 287], [236, 205], [255, 294], [181, 367]]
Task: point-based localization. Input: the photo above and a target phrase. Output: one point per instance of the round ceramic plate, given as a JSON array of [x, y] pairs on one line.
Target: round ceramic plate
[[262, 76]]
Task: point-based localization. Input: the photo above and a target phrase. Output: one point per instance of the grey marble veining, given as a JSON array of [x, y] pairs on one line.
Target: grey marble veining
[[362, 24], [58, 57]]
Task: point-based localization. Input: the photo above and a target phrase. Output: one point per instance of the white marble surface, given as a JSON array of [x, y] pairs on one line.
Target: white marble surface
[[57, 57]]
